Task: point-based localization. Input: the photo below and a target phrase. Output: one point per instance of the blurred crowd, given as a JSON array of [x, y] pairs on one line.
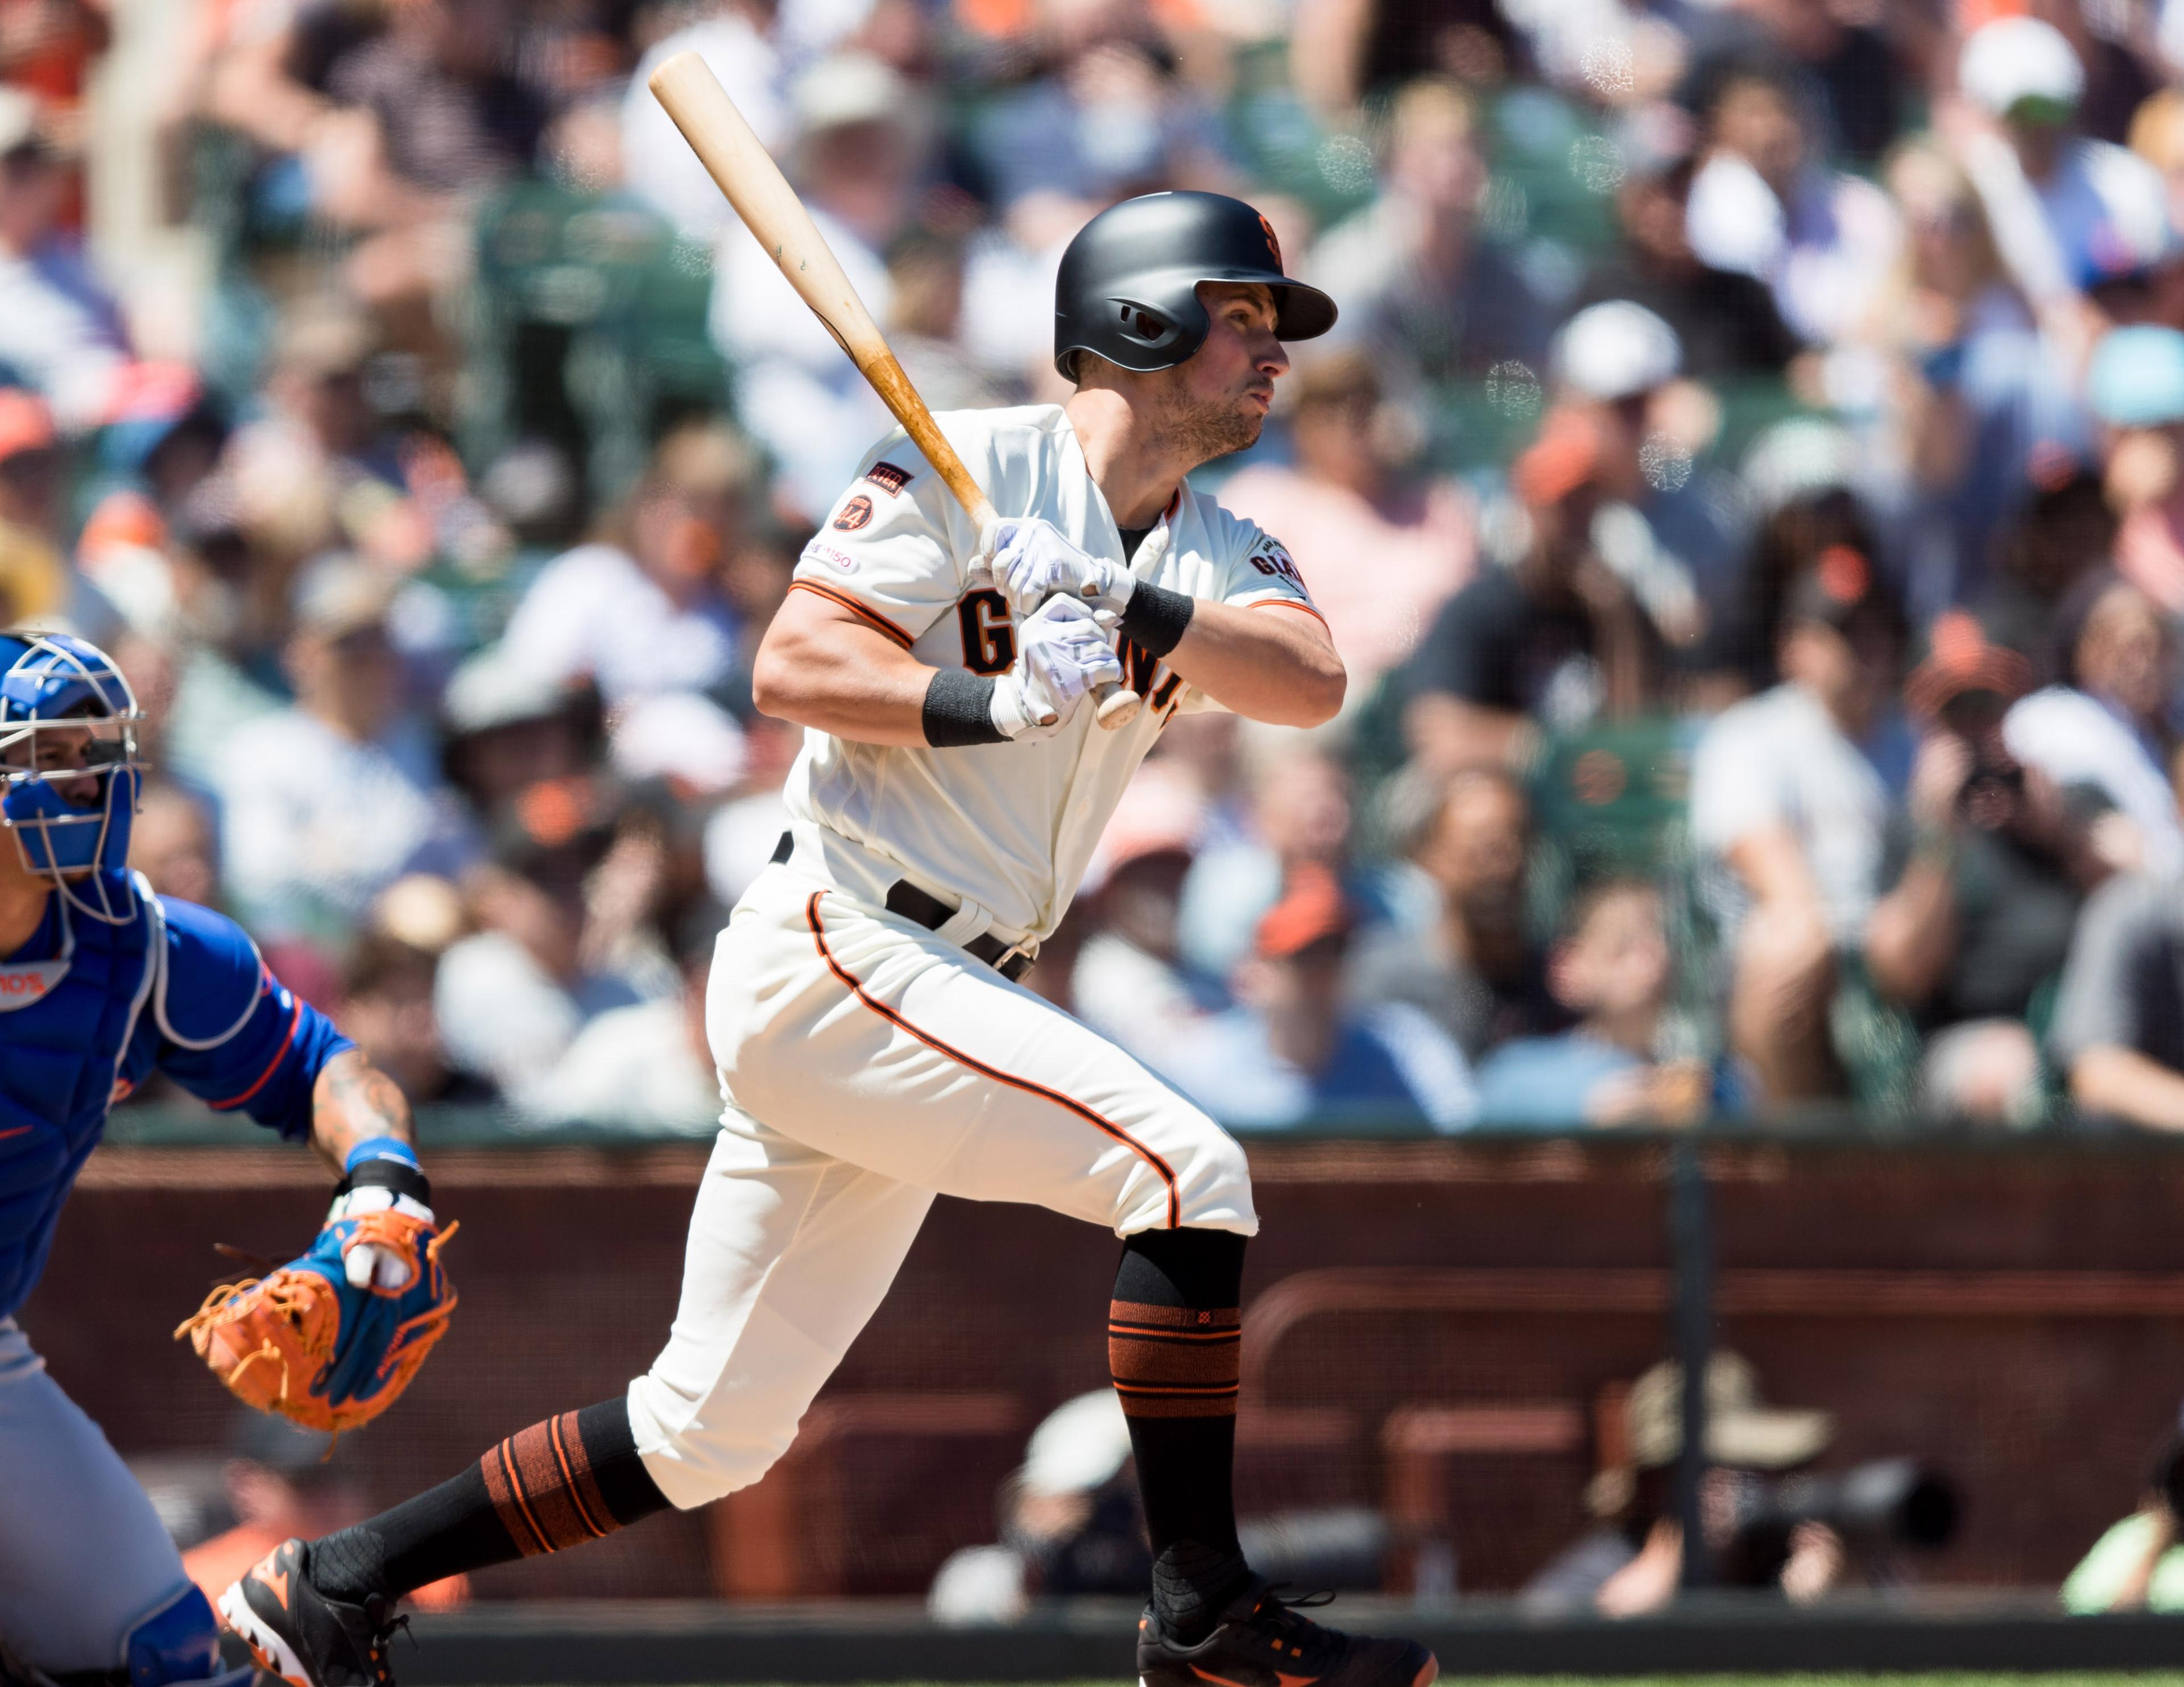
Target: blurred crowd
[[1744, 484]]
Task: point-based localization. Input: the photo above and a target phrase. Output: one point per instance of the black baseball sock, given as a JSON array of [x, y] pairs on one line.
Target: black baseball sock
[[570, 1479], [1173, 1343]]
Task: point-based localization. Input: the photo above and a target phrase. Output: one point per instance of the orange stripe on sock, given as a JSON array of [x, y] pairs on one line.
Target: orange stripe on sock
[[561, 1432], [507, 1496], [1213, 1323], [1175, 1361], [1166, 1171], [542, 1479]]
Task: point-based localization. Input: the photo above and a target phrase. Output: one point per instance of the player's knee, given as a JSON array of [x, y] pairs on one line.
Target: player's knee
[[1213, 1182], [177, 1643], [693, 1461]]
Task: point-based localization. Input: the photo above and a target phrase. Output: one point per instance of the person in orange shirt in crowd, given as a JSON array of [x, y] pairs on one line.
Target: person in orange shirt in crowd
[[283, 1480]]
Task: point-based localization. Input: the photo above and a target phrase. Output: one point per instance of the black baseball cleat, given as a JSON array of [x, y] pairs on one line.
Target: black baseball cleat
[[1262, 1641], [299, 1633]]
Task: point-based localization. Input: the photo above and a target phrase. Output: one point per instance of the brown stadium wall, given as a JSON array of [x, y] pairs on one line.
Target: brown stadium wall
[[1437, 1326]]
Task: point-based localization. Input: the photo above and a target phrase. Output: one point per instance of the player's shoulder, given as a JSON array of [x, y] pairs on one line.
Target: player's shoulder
[[1011, 429], [1007, 432], [1233, 540], [1231, 536], [210, 974]]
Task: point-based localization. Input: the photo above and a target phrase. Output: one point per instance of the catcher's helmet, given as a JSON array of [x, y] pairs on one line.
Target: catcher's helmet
[[70, 814], [1127, 286]]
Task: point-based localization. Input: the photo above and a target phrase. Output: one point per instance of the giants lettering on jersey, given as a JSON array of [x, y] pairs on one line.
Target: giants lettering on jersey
[[989, 647], [1270, 558], [1148, 676]]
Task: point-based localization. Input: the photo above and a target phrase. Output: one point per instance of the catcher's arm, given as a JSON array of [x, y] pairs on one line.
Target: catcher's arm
[[331, 1337], [353, 1103]]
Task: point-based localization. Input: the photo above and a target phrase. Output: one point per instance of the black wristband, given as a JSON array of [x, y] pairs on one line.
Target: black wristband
[[1155, 618], [959, 710], [387, 1174]]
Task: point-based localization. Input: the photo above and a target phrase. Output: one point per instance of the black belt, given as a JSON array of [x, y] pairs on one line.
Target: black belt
[[929, 911]]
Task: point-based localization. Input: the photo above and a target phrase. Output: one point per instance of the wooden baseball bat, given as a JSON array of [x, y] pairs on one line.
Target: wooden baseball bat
[[724, 144]]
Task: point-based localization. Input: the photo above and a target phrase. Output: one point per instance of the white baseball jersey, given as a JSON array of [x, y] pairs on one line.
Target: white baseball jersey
[[1011, 825], [868, 1063]]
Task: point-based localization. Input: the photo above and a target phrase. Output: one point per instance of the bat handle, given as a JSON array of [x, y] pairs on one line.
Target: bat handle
[[1117, 706]]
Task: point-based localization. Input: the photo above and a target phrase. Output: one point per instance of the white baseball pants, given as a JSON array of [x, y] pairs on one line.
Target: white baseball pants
[[869, 1065]]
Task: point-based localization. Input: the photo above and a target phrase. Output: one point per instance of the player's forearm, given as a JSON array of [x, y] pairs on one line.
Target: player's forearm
[[850, 683], [1275, 665], [354, 1102]]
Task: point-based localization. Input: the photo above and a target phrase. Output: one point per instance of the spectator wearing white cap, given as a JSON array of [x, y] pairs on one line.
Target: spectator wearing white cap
[[2072, 215], [507, 725], [861, 138], [1665, 530], [1762, 204]]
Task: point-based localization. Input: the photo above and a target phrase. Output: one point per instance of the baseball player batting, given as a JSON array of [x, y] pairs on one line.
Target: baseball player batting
[[874, 1045], [103, 985]]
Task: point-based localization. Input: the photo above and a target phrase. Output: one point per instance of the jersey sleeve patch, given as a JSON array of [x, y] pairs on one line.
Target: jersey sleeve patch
[[893, 549], [1271, 559]]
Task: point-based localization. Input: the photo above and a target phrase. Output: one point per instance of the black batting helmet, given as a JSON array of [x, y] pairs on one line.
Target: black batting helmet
[[1128, 288]]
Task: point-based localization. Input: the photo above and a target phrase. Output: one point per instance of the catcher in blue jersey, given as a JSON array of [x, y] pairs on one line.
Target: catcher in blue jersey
[[103, 983]]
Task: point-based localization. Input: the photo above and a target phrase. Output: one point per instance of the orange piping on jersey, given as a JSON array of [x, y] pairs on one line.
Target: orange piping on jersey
[[879, 622], [287, 1043], [1290, 603], [849, 979]]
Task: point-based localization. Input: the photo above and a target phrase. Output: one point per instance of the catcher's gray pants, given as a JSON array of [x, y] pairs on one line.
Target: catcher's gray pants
[[83, 1556]]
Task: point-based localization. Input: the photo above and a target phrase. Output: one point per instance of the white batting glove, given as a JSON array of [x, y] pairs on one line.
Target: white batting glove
[[1033, 562], [1061, 656], [367, 1265]]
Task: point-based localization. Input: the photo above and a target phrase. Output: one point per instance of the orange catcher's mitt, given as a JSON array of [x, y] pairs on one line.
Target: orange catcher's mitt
[[331, 1340]]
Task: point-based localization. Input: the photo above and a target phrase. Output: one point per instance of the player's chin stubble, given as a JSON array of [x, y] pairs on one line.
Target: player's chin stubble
[[1206, 429]]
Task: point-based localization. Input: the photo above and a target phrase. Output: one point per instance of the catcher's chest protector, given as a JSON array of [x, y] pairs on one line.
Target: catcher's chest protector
[[60, 1053]]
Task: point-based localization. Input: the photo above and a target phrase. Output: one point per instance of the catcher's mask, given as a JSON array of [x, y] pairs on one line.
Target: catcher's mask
[[69, 772]]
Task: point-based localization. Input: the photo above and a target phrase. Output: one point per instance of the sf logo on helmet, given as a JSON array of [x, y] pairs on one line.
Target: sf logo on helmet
[[1273, 246]]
